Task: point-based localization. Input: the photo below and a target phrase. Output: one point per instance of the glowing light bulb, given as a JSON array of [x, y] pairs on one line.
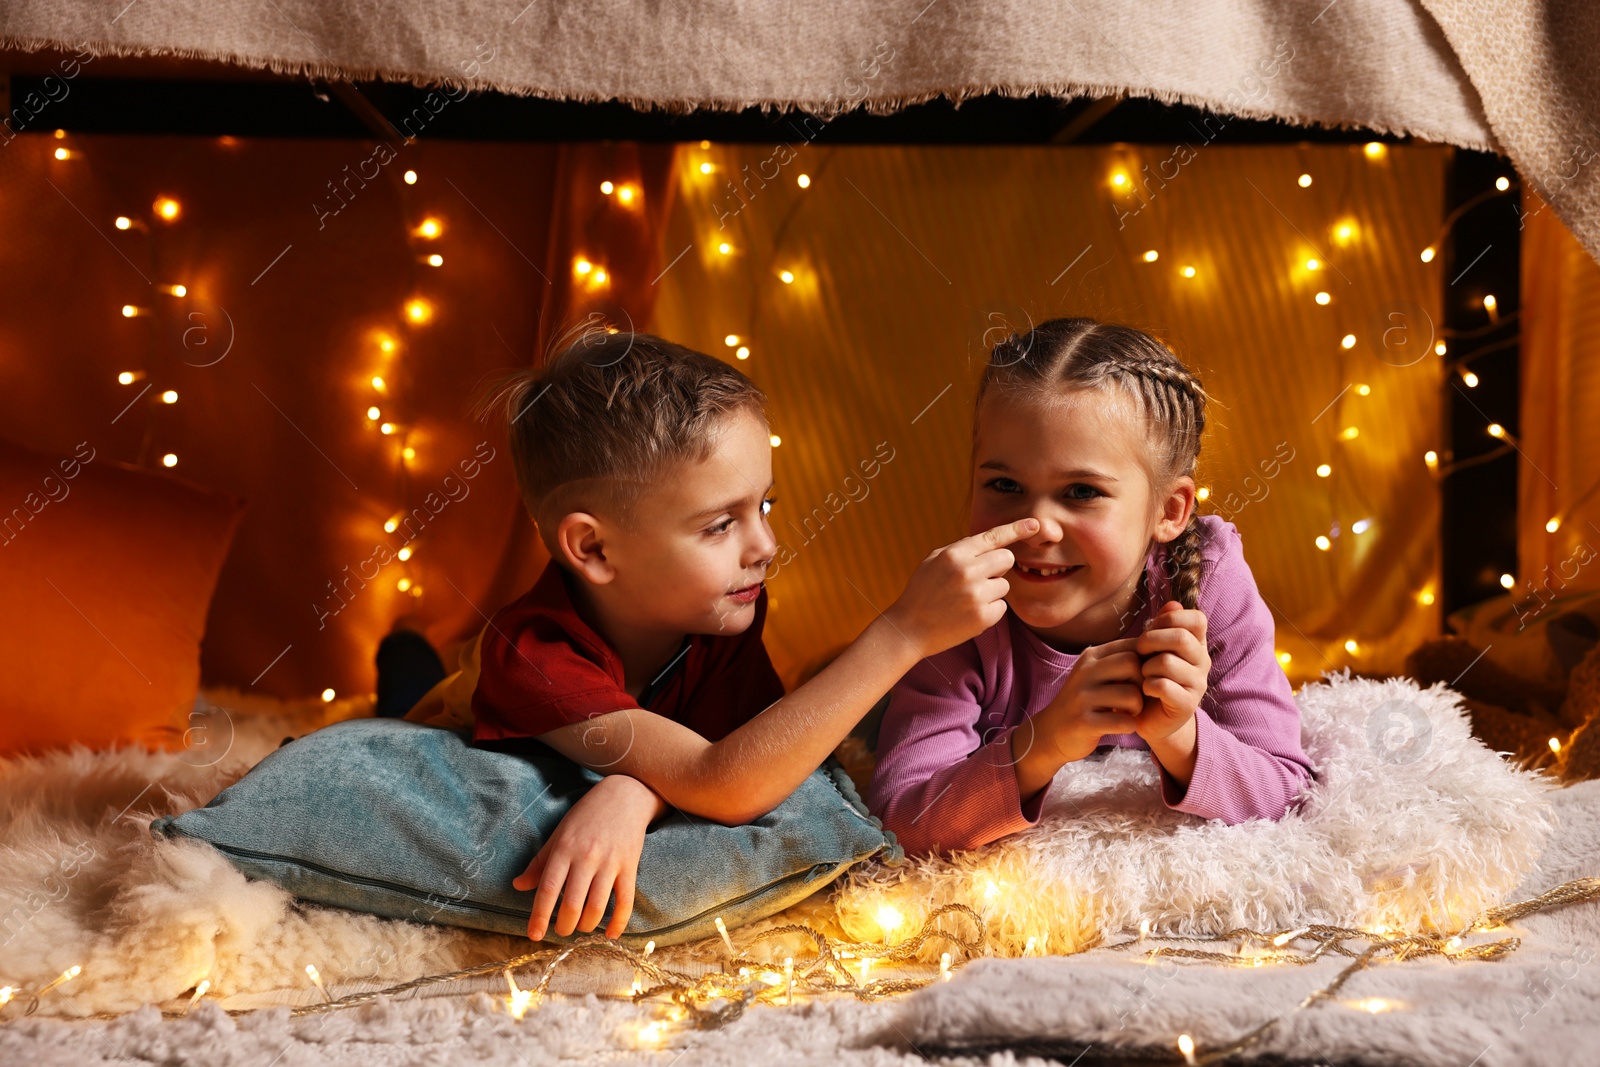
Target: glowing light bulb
[[944, 966], [123, 222], [581, 266], [1188, 272], [129, 311], [403, 555], [1363, 389], [435, 260], [1502, 183], [327, 697], [1323, 298], [62, 153], [1553, 525], [1428, 254], [1351, 647], [803, 181], [167, 208], [1323, 470], [391, 525], [1440, 348], [625, 194], [411, 177], [606, 187], [775, 440], [1305, 181], [1151, 256], [377, 383], [408, 454], [419, 311], [403, 584], [889, 918], [1489, 302], [1470, 378], [1496, 430], [177, 290], [1361, 526], [386, 345], [125, 378], [1323, 542], [1120, 179], [1555, 745], [1425, 597], [430, 228], [1507, 581], [1349, 433], [386, 428], [1430, 457], [787, 277], [169, 460], [600, 276], [1186, 1046], [731, 340], [705, 168], [1313, 264], [1375, 149], [1344, 232], [725, 248], [169, 397], [1203, 493], [1347, 341], [742, 352], [373, 413], [1284, 658]]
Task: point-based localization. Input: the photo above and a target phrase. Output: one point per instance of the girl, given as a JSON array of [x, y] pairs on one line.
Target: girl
[[1133, 621]]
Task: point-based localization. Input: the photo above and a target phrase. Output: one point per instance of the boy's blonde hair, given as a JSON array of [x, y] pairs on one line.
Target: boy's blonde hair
[[606, 416]]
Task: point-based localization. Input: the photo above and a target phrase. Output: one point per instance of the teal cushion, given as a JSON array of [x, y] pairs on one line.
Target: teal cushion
[[412, 822]]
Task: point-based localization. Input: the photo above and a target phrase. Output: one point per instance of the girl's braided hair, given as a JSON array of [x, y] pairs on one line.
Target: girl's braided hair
[[1081, 353]]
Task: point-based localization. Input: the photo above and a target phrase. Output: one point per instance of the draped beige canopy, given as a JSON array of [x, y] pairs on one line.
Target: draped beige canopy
[[1513, 76]]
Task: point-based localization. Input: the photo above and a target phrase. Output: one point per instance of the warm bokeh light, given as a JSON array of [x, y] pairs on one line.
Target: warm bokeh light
[[1427, 254], [1323, 542], [123, 222], [1324, 299], [731, 340], [1203, 493], [1507, 581], [1490, 303], [129, 311], [743, 352], [1502, 183], [169, 397], [804, 181], [1363, 389], [411, 177], [606, 187], [1430, 457], [581, 266], [787, 277], [373, 413], [419, 311], [126, 377], [169, 460], [1375, 149], [1351, 647], [1151, 256], [378, 383], [430, 228], [1305, 181], [1349, 433], [327, 698], [1188, 272], [167, 208], [1553, 525], [1323, 470], [775, 440], [1470, 378], [725, 248], [435, 260], [1496, 430], [1347, 341]]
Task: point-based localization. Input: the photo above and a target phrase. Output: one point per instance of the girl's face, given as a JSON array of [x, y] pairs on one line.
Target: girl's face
[[1070, 461]]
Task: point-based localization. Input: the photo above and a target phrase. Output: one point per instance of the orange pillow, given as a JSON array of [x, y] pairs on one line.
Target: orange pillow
[[106, 572]]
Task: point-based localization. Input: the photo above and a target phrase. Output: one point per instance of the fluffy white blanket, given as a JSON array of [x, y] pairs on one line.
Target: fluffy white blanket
[[1413, 824], [1416, 817]]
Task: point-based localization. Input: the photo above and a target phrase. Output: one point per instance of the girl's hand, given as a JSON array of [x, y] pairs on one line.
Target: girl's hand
[[594, 850], [959, 590], [1175, 665], [1100, 696]]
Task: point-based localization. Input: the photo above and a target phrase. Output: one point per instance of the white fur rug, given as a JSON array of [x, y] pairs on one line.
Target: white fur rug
[[1412, 824], [81, 883]]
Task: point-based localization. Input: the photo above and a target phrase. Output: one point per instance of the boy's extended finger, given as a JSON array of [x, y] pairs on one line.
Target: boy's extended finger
[[624, 909], [1004, 534]]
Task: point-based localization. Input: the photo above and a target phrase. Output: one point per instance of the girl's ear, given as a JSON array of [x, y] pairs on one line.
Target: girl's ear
[[580, 539], [1176, 509]]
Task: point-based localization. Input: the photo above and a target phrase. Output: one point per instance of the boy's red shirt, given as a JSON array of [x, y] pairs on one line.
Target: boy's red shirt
[[541, 667]]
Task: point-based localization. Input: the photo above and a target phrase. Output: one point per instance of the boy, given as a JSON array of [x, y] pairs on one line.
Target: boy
[[647, 468]]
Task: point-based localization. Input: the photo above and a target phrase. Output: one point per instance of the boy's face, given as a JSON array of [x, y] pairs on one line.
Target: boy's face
[[698, 550], [1034, 457]]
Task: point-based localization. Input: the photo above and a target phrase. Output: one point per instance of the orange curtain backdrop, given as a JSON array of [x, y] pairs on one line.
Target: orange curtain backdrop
[[904, 263], [300, 261], [1558, 476]]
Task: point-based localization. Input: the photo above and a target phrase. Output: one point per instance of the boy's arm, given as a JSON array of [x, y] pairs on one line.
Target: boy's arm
[[956, 593]]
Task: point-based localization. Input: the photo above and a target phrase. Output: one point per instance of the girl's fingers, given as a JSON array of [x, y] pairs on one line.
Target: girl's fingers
[[1118, 696], [1109, 722], [555, 873]]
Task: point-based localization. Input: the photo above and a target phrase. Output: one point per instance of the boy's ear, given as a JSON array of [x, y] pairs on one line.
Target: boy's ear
[[580, 538]]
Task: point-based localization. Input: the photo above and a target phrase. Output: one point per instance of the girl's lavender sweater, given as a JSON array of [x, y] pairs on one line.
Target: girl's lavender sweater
[[945, 778]]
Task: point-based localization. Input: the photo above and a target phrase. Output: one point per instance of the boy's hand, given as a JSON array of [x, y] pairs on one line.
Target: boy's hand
[[959, 590], [1174, 668], [594, 850]]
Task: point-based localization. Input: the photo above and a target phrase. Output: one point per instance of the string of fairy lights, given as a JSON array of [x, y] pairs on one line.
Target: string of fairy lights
[[713, 999]]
